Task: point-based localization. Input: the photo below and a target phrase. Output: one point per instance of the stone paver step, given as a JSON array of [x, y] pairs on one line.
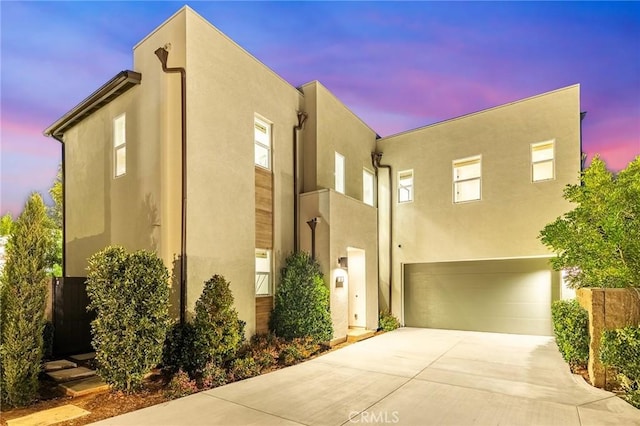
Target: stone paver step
[[85, 386], [60, 364], [70, 374], [50, 416], [83, 357]]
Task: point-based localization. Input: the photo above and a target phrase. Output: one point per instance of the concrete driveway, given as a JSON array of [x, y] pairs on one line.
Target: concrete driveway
[[408, 377]]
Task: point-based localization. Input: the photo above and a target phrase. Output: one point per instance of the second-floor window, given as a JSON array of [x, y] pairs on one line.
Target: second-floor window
[[262, 139], [120, 145], [542, 161], [467, 175], [339, 173], [405, 186], [367, 187]]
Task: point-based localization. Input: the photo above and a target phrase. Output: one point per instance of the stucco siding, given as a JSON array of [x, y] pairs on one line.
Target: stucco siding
[[226, 89], [506, 222]]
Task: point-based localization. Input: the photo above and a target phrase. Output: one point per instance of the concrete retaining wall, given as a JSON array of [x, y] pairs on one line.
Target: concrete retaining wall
[[608, 308]]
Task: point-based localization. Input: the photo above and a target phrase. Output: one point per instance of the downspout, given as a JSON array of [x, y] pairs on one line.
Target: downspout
[[376, 157], [583, 155], [162, 53], [302, 117]]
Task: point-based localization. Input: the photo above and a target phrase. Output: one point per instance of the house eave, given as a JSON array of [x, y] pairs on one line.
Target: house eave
[[113, 88]]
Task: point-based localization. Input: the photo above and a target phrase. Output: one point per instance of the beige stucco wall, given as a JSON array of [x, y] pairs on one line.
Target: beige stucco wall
[[344, 222], [226, 88], [331, 128], [505, 223]]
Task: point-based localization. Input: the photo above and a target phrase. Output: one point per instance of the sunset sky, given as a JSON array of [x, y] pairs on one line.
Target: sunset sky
[[397, 65]]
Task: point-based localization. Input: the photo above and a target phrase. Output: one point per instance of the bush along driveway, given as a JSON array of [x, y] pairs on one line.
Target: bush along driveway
[[409, 376]]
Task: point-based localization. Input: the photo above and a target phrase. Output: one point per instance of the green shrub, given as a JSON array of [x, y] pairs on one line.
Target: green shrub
[[178, 348], [216, 325], [291, 354], [180, 385], [129, 293], [243, 368], [212, 376], [387, 322], [23, 292], [620, 349], [571, 328], [302, 301]]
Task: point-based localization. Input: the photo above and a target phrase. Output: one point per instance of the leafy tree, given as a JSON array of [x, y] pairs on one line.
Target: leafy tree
[[302, 301], [23, 292], [56, 212], [129, 293], [598, 242], [6, 224]]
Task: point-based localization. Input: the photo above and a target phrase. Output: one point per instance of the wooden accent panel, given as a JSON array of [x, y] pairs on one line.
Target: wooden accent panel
[[263, 313], [264, 208]]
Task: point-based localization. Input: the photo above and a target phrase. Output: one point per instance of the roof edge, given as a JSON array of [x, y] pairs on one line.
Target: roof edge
[[113, 88]]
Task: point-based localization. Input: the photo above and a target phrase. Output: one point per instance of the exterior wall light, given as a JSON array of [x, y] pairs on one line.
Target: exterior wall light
[[343, 262]]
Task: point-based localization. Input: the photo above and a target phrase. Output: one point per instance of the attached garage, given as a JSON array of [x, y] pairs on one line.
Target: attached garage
[[503, 296]]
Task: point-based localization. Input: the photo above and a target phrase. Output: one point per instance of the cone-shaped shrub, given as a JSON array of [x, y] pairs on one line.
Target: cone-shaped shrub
[[129, 293], [217, 331], [23, 292], [302, 301]]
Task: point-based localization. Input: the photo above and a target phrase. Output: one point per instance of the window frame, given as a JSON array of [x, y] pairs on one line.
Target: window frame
[[261, 273], [409, 188], [268, 126], [119, 145], [540, 146], [457, 180], [343, 176], [366, 174]]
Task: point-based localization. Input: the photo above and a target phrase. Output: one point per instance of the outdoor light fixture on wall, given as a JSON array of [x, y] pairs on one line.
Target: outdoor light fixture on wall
[[343, 262]]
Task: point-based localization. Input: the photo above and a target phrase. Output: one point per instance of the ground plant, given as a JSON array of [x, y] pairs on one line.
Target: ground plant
[[387, 321], [23, 292], [302, 301], [620, 350], [129, 294], [571, 328]]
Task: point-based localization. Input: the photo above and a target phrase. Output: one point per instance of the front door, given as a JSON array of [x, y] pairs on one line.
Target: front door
[[357, 286]]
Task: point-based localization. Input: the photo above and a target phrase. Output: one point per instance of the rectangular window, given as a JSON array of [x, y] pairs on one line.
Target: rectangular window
[[339, 173], [542, 161], [367, 187], [120, 145], [467, 174], [405, 186], [262, 139], [263, 272]]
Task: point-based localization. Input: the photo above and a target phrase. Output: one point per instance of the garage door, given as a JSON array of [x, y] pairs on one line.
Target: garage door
[[503, 296]]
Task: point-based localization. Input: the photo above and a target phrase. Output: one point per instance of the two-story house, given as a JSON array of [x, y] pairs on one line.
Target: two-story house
[[206, 156]]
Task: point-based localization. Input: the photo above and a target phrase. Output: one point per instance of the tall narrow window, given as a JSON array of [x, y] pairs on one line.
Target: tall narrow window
[[262, 138], [467, 174], [367, 187], [339, 173], [263, 272], [405, 186], [542, 161], [120, 145]]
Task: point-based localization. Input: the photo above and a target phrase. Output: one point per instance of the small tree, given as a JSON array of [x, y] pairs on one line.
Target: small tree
[[129, 293], [23, 292], [6, 224], [217, 330], [598, 242], [302, 301], [56, 212]]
